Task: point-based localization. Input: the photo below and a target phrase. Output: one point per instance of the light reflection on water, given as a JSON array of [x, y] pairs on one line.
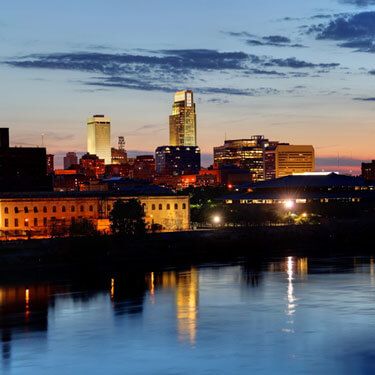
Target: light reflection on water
[[292, 315]]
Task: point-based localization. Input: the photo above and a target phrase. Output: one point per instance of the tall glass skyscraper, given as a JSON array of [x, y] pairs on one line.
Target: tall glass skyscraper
[[99, 137], [183, 121]]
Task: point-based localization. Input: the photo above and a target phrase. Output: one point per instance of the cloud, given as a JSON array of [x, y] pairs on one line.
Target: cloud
[[169, 70], [294, 63], [372, 72], [359, 3], [370, 99], [218, 101], [356, 31]]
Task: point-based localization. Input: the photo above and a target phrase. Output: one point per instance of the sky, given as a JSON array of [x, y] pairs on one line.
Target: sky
[[295, 71]]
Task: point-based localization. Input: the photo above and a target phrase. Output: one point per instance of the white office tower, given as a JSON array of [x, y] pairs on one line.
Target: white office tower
[[99, 137]]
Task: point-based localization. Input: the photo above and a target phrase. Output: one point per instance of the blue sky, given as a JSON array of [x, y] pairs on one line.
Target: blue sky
[[302, 72]]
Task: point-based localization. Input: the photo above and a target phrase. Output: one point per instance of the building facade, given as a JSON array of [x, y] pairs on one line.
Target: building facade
[[177, 160], [243, 153], [42, 213], [291, 159], [99, 137], [368, 171], [70, 159], [183, 121]]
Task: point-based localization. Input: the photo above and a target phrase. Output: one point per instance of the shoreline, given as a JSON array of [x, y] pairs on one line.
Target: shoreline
[[160, 250]]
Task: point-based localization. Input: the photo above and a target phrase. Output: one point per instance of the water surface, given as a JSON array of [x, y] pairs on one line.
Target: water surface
[[285, 316]]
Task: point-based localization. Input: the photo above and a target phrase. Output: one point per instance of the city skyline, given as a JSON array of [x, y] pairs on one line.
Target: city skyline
[[294, 72]]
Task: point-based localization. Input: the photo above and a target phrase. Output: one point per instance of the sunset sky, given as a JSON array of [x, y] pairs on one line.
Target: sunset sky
[[296, 71]]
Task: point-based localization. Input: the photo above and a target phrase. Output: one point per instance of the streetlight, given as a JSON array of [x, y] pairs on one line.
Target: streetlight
[[289, 204], [216, 219]]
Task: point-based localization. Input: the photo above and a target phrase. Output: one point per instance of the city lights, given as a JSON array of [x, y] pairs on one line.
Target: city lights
[[289, 204]]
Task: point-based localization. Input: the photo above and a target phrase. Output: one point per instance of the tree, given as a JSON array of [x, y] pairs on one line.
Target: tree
[[82, 227], [127, 218]]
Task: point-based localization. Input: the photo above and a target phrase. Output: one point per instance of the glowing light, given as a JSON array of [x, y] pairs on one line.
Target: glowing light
[[289, 204], [216, 219], [304, 214], [230, 186], [112, 288]]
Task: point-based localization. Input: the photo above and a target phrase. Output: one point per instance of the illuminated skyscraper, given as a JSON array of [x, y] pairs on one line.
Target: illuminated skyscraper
[[182, 122], [294, 159], [99, 137]]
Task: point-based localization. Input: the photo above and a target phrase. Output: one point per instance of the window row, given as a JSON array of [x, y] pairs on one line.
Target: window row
[[35, 209], [35, 222], [168, 206]]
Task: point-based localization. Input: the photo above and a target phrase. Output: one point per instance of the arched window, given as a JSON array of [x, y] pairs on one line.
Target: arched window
[[6, 210], [16, 210], [35, 209], [44, 209], [184, 206], [153, 207], [160, 206], [168, 206], [54, 209], [26, 210], [91, 208], [63, 209], [72, 208], [176, 206], [81, 208]]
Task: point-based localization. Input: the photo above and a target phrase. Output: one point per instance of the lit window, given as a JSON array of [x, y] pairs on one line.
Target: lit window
[[26, 222]]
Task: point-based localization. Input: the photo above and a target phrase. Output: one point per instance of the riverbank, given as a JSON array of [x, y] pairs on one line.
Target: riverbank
[[184, 248]]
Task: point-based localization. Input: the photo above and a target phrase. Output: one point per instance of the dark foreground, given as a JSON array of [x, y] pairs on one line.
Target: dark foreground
[[186, 248]]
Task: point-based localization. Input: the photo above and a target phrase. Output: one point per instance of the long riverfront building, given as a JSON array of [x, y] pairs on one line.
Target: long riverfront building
[[41, 213]]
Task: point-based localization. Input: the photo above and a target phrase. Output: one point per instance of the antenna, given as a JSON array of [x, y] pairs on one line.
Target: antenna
[[42, 139]]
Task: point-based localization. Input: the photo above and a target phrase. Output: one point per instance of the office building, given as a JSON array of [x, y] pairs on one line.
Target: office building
[[291, 159], [144, 167], [183, 121], [70, 159], [269, 158], [91, 166], [99, 137], [177, 160], [119, 154], [22, 168], [368, 171], [243, 153]]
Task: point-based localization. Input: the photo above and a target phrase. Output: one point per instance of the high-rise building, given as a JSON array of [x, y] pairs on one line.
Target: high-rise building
[[99, 137], [368, 171], [183, 121], [177, 160], [70, 159], [294, 159], [243, 153], [269, 158]]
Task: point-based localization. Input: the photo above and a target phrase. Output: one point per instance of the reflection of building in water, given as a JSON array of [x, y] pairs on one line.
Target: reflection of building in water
[[127, 293], [24, 310], [187, 304], [251, 272]]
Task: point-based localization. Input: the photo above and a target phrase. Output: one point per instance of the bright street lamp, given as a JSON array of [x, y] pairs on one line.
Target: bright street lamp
[[289, 204]]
